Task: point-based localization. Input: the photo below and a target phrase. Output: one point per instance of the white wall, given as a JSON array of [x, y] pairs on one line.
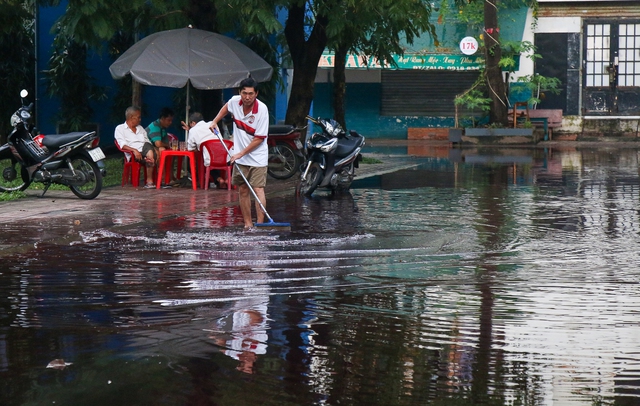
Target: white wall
[[544, 25]]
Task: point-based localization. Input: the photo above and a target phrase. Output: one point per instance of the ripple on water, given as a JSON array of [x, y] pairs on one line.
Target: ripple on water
[[424, 287]]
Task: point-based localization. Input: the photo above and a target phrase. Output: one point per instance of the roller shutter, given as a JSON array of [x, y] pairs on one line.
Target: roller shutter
[[423, 92]]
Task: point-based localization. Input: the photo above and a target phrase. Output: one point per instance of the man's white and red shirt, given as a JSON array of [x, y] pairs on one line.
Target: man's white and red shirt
[[247, 127]]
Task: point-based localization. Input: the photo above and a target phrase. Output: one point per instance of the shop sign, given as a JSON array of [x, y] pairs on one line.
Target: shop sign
[[468, 46], [410, 61]]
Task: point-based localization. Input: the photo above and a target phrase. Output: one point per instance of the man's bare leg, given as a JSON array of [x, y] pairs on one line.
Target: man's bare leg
[[150, 163], [259, 213], [244, 198]]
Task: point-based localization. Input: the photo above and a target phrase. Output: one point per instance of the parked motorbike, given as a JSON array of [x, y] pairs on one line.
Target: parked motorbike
[[285, 150], [332, 156], [73, 159]]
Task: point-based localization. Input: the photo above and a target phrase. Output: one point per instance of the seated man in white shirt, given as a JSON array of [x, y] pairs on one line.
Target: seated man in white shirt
[[132, 138], [200, 132]]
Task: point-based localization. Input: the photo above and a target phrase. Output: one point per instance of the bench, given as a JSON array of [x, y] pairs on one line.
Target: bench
[[547, 118]]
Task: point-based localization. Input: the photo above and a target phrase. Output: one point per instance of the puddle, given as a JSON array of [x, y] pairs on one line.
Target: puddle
[[455, 280]]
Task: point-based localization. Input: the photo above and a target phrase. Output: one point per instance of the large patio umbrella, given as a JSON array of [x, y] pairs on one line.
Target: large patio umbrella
[[174, 58]]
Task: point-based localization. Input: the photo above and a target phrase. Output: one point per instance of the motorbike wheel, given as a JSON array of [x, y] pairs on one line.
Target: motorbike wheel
[[12, 175], [310, 184], [91, 175], [283, 161]]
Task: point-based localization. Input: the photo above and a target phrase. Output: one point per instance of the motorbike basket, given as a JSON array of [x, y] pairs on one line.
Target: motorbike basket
[[31, 149]]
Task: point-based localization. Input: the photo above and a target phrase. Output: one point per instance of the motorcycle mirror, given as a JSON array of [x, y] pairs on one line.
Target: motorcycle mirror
[[24, 93]]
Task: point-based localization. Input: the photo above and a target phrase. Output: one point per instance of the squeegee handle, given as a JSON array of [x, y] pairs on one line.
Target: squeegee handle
[[253, 192]]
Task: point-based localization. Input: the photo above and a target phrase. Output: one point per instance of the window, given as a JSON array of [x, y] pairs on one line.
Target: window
[[597, 56], [608, 45], [629, 55]]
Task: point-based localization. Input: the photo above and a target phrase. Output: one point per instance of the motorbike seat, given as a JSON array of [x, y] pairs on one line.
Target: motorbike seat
[[57, 140], [280, 129], [348, 144]]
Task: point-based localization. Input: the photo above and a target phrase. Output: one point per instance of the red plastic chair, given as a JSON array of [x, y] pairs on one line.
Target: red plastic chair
[[131, 170], [218, 160]]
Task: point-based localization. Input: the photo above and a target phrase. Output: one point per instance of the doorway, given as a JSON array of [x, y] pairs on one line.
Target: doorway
[[611, 79]]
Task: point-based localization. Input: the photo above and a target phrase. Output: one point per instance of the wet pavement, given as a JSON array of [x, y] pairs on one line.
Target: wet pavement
[[60, 217]]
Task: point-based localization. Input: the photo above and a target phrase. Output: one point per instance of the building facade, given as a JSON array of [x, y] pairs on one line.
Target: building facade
[[592, 47]]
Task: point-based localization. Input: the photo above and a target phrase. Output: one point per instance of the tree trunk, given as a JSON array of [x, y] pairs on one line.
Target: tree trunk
[[493, 72], [305, 56], [136, 93], [339, 85]]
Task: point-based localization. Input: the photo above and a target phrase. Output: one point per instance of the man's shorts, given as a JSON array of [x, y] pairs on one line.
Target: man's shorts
[[256, 175], [145, 150]]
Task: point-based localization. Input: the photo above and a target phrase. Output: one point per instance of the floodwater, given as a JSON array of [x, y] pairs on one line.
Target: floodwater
[[500, 277]]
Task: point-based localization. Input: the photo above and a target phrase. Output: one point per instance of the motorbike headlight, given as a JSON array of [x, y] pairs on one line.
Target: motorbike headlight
[[25, 115]]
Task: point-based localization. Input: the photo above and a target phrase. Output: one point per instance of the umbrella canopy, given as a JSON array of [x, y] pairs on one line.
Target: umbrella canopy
[[173, 58]]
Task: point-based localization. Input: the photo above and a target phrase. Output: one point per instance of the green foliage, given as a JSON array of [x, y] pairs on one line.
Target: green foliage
[[475, 101], [9, 196], [114, 166], [470, 13], [68, 78], [369, 160], [93, 22], [379, 28], [539, 85], [14, 13], [17, 63], [251, 17], [512, 50]]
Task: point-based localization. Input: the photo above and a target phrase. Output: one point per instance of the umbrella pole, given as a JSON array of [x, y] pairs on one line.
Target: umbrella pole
[[186, 115], [185, 164]]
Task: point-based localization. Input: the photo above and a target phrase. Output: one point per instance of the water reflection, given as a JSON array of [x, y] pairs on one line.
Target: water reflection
[[478, 277], [243, 334]]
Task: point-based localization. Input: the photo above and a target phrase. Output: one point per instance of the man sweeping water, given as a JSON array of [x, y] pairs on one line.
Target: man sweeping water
[[250, 152]]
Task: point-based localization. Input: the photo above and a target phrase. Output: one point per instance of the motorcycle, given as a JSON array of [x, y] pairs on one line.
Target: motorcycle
[[332, 156], [73, 159], [285, 156]]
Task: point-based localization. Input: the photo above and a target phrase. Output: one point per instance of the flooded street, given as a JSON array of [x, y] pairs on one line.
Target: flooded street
[[476, 278]]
